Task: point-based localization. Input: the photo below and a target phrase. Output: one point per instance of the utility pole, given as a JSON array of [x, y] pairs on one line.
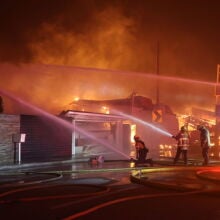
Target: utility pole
[[133, 94]]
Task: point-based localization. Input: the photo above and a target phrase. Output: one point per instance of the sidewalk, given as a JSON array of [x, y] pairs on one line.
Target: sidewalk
[[57, 161]]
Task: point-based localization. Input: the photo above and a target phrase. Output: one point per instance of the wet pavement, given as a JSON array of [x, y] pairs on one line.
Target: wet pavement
[[114, 189]]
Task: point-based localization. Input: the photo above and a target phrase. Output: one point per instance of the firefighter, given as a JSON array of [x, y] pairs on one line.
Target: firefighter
[[205, 143], [141, 151], [182, 145]]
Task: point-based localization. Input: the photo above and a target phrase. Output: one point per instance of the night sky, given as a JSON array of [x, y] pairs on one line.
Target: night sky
[[116, 35]]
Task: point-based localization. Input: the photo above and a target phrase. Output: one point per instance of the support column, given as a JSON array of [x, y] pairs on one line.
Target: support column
[[74, 137], [119, 135]]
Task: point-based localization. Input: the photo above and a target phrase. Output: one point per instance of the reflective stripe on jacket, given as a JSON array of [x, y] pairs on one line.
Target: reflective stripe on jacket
[[182, 140]]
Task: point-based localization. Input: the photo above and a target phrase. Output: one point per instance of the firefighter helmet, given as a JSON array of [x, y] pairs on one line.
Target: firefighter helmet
[[199, 127], [136, 137]]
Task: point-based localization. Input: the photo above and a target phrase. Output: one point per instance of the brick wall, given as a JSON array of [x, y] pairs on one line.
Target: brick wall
[[9, 125]]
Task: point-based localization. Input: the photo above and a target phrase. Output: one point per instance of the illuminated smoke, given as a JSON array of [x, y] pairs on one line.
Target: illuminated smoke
[[106, 43], [53, 87], [109, 36]]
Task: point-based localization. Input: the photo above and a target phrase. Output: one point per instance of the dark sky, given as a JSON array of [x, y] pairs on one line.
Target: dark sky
[[116, 34]]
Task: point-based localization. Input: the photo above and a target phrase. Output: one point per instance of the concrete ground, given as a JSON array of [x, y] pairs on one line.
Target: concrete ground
[[78, 189]]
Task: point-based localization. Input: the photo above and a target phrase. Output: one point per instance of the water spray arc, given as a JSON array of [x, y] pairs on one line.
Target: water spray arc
[[61, 122], [140, 74], [143, 123]]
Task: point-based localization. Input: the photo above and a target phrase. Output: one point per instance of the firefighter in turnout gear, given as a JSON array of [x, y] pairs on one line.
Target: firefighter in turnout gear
[[141, 151], [182, 145], [205, 143]]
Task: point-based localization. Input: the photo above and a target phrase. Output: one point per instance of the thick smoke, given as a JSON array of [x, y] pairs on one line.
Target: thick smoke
[[110, 35]]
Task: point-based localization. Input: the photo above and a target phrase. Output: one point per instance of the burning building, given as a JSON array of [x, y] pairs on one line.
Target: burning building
[[153, 122]]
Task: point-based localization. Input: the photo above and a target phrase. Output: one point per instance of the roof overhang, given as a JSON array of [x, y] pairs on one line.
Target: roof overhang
[[93, 117]]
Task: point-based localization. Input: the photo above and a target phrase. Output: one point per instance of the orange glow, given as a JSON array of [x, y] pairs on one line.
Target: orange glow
[[76, 99], [167, 150], [133, 132], [105, 110], [132, 165]]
